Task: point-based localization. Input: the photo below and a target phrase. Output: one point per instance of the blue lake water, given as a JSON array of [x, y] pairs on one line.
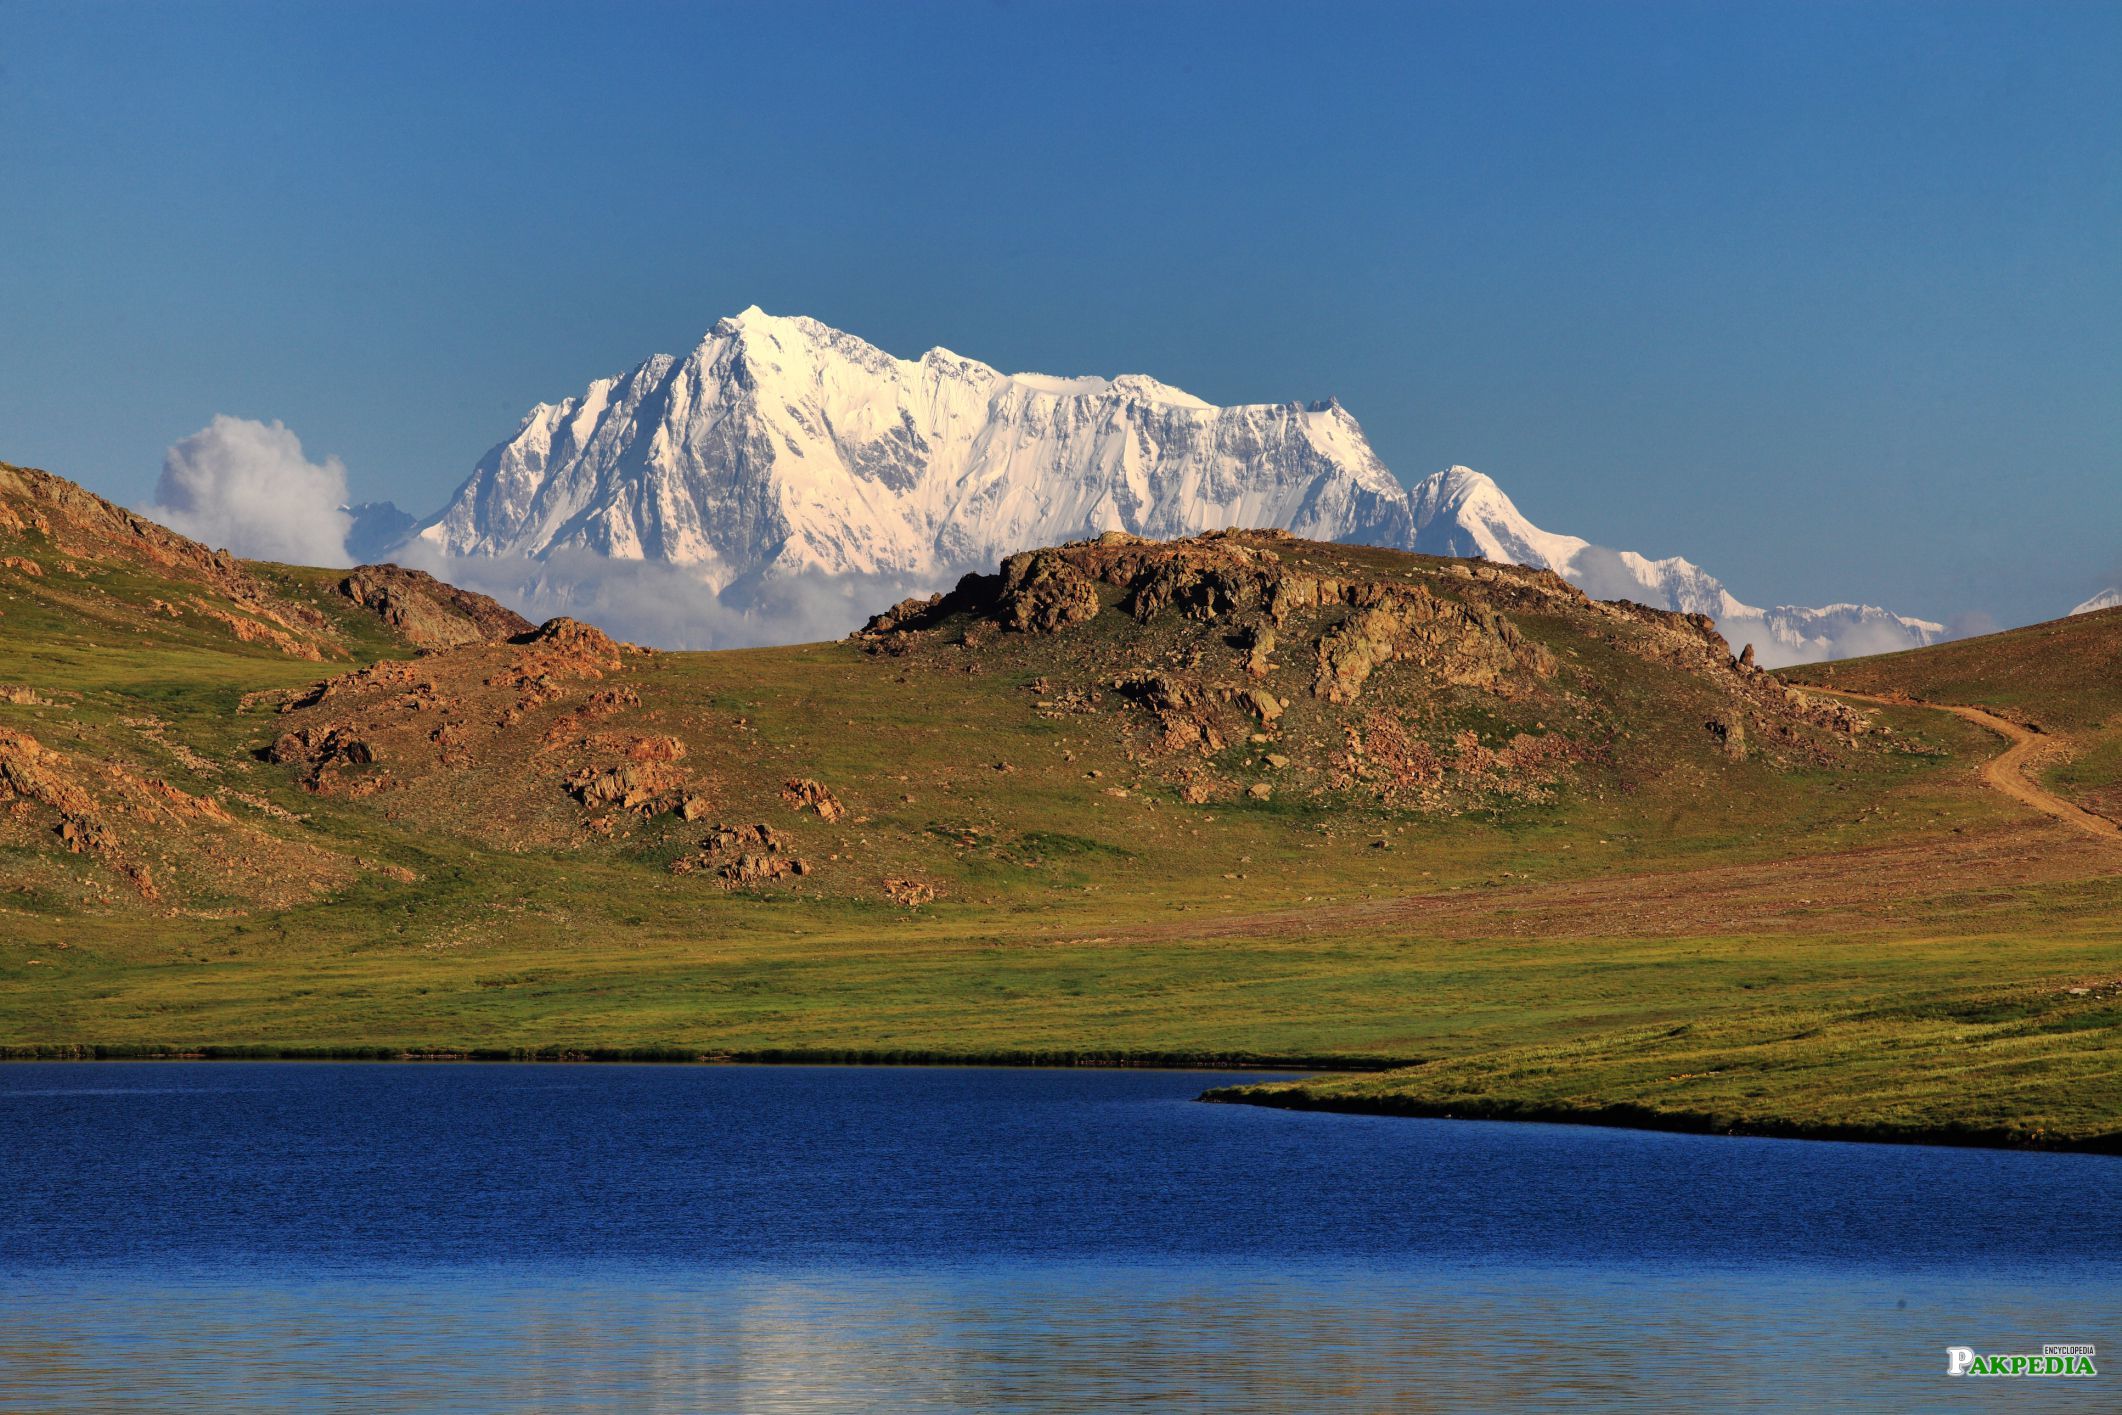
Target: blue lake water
[[222, 1236]]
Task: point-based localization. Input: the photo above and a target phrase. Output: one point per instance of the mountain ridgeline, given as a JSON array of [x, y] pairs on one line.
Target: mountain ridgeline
[[782, 452]]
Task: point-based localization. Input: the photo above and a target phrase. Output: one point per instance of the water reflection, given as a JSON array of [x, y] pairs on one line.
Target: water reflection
[[1032, 1338], [273, 1237]]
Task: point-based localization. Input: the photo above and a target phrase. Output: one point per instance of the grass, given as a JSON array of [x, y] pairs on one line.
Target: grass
[[1882, 950], [1921, 1035]]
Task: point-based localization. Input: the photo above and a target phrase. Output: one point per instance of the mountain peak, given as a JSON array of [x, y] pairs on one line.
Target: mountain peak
[[751, 316], [1458, 483], [752, 322]]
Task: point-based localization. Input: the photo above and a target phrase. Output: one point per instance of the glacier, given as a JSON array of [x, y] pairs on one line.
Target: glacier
[[758, 487]]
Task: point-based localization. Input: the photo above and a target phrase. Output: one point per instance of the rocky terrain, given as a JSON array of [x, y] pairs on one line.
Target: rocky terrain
[[1248, 668], [1359, 674], [104, 616]]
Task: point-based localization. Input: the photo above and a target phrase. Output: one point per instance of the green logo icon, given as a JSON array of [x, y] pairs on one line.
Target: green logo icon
[[2054, 1359]]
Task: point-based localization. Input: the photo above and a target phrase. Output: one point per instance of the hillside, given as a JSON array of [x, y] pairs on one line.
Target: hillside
[[126, 654], [2064, 675], [2062, 678], [1239, 795]]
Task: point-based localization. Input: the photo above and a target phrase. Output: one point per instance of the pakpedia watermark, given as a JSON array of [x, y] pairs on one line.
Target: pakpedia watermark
[[2055, 1359]]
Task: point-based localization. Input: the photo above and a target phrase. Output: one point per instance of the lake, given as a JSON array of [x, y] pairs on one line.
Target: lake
[[236, 1235]]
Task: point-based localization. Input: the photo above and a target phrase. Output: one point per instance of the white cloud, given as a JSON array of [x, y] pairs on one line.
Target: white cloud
[[245, 485], [668, 606]]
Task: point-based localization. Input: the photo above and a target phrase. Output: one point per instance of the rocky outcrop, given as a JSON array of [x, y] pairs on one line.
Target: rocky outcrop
[[909, 893], [32, 773], [1730, 735], [321, 746], [907, 614], [428, 612], [743, 856], [1259, 645], [1242, 575], [626, 787], [1043, 593], [570, 641], [1182, 711], [1263, 704], [1454, 643], [804, 794]]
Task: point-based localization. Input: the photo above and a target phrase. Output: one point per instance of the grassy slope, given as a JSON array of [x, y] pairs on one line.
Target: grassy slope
[[1076, 923], [2064, 676]]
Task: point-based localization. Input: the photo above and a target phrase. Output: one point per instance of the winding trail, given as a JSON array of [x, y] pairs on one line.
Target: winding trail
[[2010, 771]]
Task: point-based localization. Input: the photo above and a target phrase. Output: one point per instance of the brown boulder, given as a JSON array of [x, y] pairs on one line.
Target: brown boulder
[[1043, 593], [802, 793], [1260, 645], [909, 893]]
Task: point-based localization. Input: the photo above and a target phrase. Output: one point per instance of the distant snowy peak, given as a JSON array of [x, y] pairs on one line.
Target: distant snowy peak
[[2106, 599], [1459, 511], [781, 451]]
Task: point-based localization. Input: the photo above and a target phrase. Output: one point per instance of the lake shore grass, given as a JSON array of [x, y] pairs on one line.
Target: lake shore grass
[[1936, 1031], [1872, 944]]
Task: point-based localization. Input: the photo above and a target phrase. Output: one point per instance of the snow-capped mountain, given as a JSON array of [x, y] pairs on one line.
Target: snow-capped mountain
[[2106, 599], [782, 461], [785, 445]]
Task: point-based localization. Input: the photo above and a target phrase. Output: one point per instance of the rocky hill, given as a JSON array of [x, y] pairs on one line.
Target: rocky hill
[[1415, 680], [1238, 669], [1250, 670]]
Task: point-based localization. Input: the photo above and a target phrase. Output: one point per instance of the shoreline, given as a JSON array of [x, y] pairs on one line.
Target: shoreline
[[1623, 1116], [1056, 1060], [1617, 1116]]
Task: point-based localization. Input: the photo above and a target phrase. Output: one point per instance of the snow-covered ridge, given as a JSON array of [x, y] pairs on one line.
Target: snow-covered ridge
[[782, 451], [783, 444], [2106, 599], [1459, 511]]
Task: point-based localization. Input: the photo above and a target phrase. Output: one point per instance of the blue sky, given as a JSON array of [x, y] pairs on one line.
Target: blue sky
[[1826, 297]]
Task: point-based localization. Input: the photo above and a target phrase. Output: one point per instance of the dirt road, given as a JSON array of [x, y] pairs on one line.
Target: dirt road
[[2010, 771]]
